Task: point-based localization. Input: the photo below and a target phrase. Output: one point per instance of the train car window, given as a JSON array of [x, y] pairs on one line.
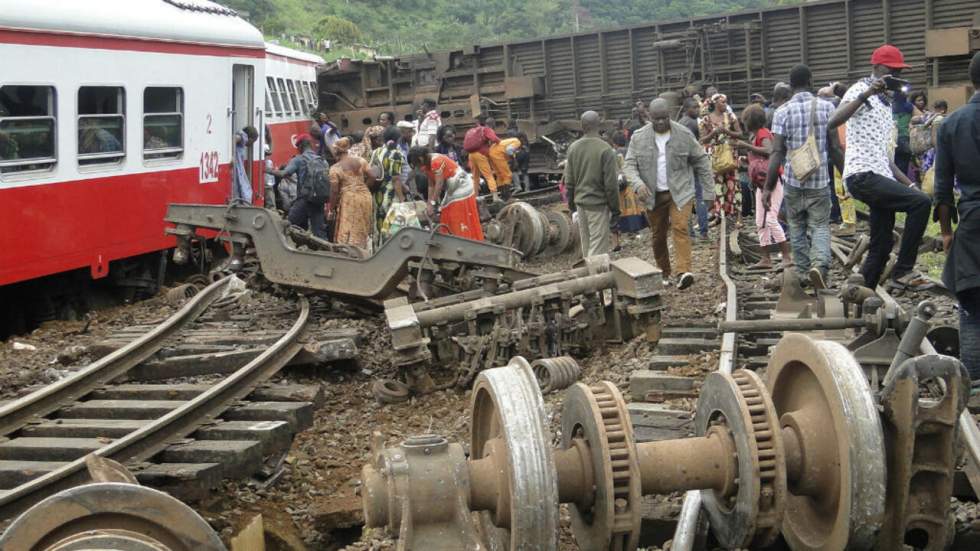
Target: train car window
[[298, 107], [310, 97], [268, 104], [303, 103], [27, 128], [274, 94], [163, 123], [101, 124], [287, 106], [316, 94]]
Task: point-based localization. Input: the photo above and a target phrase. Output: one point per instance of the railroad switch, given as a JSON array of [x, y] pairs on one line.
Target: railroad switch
[[803, 455]]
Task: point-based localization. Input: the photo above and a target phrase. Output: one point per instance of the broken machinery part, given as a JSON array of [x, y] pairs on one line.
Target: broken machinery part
[[555, 374], [531, 231], [552, 315], [110, 515], [802, 455], [441, 260]]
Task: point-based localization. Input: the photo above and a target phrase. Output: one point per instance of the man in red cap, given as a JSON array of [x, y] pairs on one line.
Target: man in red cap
[[871, 176]]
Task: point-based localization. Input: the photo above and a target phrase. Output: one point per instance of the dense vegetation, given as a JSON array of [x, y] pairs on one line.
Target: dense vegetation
[[404, 26]]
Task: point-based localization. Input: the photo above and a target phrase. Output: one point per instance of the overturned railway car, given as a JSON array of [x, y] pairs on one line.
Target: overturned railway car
[[541, 86]]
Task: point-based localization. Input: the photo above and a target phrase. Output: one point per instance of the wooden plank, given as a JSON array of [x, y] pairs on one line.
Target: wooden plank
[[679, 346], [119, 409], [662, 363], [274, 436], [185, 481], [251, 538], [644, 381], [658, 422], [83, 428], [187, 391], [14, 473], [236, 457], [709, 333], [299, 415], [29, 448]]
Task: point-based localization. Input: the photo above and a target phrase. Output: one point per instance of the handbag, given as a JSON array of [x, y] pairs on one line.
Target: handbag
[[723, 159], [922, 136], [805, 160]]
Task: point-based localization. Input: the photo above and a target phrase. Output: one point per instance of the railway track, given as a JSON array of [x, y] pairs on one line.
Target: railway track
[[176, 435], [751, 349]]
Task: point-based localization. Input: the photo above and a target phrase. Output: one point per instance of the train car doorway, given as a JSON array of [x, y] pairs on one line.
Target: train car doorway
[[242, 106]]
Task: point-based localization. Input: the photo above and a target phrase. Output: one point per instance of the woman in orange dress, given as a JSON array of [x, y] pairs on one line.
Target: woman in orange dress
[[350, 199], [451, 192]]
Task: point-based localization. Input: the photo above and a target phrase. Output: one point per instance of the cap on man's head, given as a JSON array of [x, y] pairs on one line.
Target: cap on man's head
[[889, 56], [405, 124]]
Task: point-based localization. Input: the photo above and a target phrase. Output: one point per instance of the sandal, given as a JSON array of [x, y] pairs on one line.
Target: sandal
[[913, 281]]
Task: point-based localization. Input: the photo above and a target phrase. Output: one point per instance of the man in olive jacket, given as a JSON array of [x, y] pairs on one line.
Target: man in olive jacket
[[591, 174], [660, 165]]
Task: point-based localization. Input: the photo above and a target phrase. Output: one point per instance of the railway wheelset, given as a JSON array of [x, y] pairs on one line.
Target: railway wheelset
[[802, 454]]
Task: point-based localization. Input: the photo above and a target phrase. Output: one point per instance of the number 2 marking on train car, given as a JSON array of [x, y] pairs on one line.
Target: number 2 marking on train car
[[208, 169], [210, 122]]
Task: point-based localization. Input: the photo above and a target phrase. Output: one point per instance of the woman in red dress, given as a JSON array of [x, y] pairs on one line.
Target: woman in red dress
[[451, 193]]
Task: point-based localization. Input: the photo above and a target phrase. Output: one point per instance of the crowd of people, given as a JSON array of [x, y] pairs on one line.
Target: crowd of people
[[796, 163], [358, 189]]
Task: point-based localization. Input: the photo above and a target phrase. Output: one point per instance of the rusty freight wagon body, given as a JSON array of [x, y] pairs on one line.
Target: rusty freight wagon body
[[542, 85]]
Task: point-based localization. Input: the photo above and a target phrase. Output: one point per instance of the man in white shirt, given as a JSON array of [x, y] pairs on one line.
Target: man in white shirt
[[872, 177], [660, 165]]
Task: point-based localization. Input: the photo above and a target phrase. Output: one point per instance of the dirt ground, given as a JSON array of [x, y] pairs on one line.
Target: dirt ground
[[322, 479], [315, 503]]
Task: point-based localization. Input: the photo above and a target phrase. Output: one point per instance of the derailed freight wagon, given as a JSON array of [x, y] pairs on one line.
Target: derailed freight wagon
[[543, 85]]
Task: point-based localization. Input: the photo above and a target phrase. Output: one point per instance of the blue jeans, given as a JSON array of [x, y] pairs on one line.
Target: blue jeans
[[808, 214], [700, 209], [970, 332]]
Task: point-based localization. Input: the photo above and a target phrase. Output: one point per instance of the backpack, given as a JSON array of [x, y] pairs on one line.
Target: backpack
[[474, 140], [314, 185]]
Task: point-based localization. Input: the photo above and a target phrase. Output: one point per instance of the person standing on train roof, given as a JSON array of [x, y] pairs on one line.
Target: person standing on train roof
[[871, 175], [806, 196], [241, 187], [661, 163], [957, 151], [591, 180]]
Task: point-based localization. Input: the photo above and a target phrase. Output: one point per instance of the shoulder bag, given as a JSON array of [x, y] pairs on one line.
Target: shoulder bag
[[805, 160]]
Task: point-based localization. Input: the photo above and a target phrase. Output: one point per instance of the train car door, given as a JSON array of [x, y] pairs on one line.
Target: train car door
[[242, 107]]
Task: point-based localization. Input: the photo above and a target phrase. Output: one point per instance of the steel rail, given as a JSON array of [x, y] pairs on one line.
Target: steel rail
[[147, 441], [16, 414], [688, 524]]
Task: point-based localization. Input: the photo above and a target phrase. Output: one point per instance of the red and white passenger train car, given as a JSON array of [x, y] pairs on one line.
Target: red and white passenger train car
[[290, 97], [109, 111]]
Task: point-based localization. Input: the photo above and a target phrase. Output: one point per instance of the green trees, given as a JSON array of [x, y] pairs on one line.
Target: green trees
[[408, 26]]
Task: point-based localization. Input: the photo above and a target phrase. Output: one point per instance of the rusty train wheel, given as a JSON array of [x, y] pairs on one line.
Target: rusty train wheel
[[834, 446], [751, 514], [507, 408], [123, 517], [598, 415]]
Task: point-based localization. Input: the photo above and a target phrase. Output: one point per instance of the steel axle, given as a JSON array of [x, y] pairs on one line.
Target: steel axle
[[758, 449]]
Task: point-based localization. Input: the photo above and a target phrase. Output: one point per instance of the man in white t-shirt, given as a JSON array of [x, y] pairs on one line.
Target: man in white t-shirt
[[871, 176]]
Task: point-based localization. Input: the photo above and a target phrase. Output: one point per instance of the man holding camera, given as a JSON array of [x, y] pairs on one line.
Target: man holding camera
[[870, 172]]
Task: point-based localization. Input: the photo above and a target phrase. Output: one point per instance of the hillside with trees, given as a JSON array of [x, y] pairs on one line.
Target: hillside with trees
[[418, 25]]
